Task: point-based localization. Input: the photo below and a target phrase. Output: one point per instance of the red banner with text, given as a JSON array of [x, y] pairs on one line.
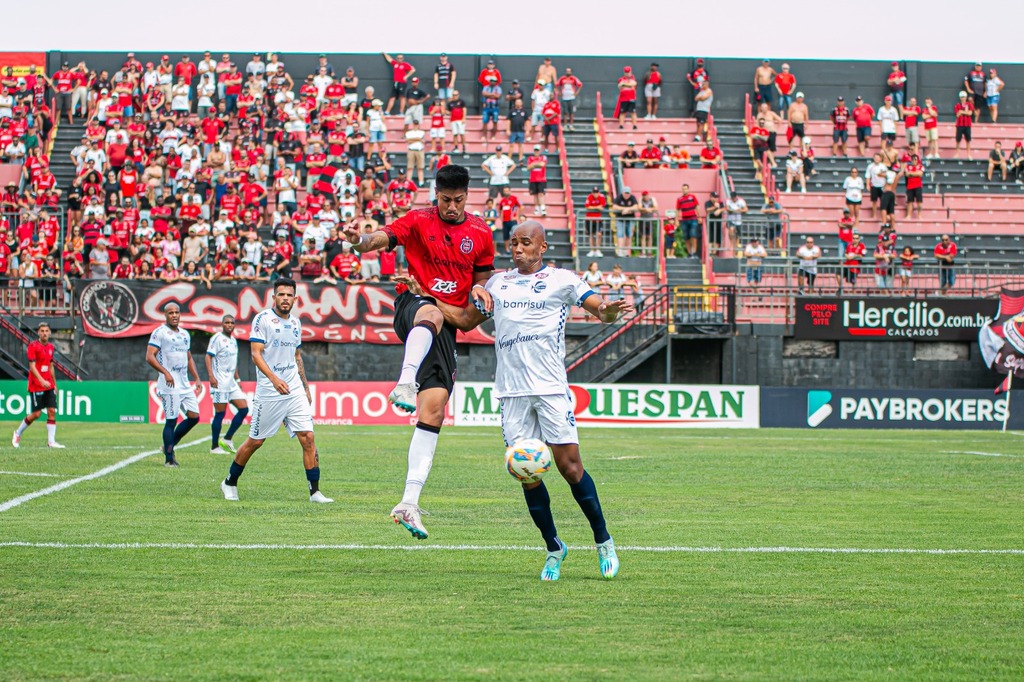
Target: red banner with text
[[21, 61], [335, 314]]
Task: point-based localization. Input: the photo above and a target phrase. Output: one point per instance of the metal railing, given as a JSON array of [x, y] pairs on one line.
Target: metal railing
[[646, 236], [606, 158], [708, 309], [570, 209], [36, 296], [610, 347], [15, 335]]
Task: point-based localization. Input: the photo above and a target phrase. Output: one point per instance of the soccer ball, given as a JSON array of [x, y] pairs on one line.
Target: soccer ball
[[528, 460]]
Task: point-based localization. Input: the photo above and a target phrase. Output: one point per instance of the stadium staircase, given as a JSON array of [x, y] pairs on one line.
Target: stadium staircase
[[583, 154], [68, 137], [15, 336], [616, 349]]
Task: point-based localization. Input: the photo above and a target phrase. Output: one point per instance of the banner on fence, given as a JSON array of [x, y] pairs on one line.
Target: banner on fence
[[891, 319], [339, 403], [836, 408], [643, 405], [335, 314], [21, 61], [82, 401]]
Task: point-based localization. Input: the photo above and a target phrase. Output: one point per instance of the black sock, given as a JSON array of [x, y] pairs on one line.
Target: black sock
[[313, 479], [183, 427], [585, 493], [168, 437], [234, 472], [539, 503]]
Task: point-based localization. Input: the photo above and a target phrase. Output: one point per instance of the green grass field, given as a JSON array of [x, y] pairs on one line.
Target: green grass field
[[468, 603]]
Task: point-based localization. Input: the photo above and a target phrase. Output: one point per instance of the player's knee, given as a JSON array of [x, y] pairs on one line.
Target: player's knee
[[431, 318], [194, 416]]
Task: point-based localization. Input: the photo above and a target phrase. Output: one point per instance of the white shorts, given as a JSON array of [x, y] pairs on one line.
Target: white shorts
[[369, 268], [436, 133], [548, 417], [458, 127], [414, 114], [228, 394], [267, 416], [179, 404], [651, 90]]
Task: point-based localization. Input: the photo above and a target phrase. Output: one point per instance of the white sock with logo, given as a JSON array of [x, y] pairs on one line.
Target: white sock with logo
[[21, 427], [421, 457], [51, 432], [417, 345]]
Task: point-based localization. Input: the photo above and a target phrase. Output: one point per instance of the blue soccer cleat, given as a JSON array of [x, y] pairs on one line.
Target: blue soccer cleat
[[553, 564], [608, 558]]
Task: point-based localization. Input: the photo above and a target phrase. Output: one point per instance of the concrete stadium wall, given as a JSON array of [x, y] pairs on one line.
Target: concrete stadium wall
[[821, 80]]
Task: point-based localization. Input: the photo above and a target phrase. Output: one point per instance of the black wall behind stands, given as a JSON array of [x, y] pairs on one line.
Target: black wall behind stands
[[821, 80]]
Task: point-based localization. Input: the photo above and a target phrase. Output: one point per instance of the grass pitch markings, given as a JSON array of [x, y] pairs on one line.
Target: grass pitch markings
[[973, 452], [11, 504], [29, 473], [503, 548]]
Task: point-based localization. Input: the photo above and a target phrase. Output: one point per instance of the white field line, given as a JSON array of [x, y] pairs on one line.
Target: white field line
[[973, 452], [11, 504], [501, 548], [28, 473]]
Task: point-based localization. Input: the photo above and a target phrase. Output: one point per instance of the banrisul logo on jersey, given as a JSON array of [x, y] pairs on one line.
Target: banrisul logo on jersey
[[647, 405]]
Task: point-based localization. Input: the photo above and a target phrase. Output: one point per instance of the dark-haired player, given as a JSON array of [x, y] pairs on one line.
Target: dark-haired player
[[451, 254], [282, 392], [42, 388], [169, 353]]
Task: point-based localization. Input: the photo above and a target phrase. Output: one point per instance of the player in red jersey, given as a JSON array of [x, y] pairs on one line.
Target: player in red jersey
[[451, 254], [42, 388]]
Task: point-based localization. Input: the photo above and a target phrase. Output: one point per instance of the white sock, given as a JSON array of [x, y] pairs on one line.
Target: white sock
[[421, 457], [417, 345], [21, 427], [51, 432]]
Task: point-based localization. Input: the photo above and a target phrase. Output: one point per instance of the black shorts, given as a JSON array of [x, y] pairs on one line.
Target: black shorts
[[980, 102], [840, 135], [593, 227], [876, 193], [506, 229], [772, 137], [627, 107], [888, 136], [701, 116], [398, 89], [439, 367], [963, 133], [888, 204], [42, 400], [915, 195], [798, 130], [538, 187], [863, 134]]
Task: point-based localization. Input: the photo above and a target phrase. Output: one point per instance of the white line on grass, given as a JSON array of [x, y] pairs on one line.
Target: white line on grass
[[973, 452], [503, 548], [28, 473], [11, 504]]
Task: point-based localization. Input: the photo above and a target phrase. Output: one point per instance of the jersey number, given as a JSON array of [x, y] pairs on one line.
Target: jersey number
[[444, 286]]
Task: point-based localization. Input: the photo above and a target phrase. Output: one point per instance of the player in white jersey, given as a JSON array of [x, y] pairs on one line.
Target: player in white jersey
[[531, 305], [282, 392], [169, 353], [222, 368]]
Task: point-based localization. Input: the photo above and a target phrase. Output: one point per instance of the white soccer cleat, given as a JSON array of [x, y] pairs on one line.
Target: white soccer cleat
[[404, 396], [16, 440], [230, 491], [218, 451], [55, 444], [608, 559], [408, 515], [320, 498], [228, 445]]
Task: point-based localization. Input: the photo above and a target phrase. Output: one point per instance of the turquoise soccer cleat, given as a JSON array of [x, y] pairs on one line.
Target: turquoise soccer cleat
[[553, 564], [608, 558]]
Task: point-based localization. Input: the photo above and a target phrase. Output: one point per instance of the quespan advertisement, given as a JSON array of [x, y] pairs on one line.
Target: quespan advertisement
[[473, 404]]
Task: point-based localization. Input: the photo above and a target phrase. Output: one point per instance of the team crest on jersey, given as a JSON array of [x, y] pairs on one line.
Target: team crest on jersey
[[541, 275], [539, 287], [466, 246]]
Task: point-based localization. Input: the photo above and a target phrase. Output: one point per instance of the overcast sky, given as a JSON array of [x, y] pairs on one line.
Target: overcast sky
[[929, 30]]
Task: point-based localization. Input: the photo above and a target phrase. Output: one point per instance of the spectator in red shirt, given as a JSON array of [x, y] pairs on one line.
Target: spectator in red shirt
[[509, 207], [930, 114], [914, 174], [650, 155], [897, 83], [652, 90], [552, 115], [945, 254], [401, 72], [626, 103], [785, 85], [596, 204], [490, 71], [689, 213], [710, 156], [863, 116], [537, 164], [855, 252], [964, 112]]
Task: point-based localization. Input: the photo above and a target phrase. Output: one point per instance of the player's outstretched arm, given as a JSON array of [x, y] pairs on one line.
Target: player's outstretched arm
[[463, 319], [606, 311]]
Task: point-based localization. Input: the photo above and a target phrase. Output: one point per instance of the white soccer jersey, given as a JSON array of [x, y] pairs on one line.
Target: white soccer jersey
[[280, 336], [172, 354], [529, 329], [224, 353]]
